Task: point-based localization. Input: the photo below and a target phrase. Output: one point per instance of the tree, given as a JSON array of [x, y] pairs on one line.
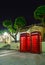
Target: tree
[[19, 23], [8, 25], [39, 13]]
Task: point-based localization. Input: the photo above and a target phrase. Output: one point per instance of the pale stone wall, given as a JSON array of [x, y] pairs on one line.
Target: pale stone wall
[[36, 28], [8, 39]]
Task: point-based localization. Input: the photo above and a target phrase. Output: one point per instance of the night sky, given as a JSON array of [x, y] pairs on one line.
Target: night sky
[[20, 9]]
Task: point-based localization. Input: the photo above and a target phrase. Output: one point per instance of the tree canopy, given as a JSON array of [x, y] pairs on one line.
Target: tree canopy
[[20, 22], [7, 23], [39, 13]]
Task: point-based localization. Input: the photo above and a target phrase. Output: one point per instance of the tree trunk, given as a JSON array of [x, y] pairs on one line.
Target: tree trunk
[[17, 33], [16, 36], [11, 35]]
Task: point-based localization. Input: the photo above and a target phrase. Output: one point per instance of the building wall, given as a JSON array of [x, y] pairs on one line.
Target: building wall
[[36, 28], [29, 30]]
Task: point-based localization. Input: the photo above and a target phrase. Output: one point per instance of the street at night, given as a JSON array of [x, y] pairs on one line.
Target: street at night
[[12, 57], [22, 33]]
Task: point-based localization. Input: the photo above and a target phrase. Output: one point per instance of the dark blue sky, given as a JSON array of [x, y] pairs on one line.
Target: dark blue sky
[[20, 9]]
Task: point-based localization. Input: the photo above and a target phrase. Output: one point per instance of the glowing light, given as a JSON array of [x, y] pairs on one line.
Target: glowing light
[[5, 33]]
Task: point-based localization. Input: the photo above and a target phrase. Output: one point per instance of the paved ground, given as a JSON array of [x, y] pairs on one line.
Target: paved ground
[[12, 57]]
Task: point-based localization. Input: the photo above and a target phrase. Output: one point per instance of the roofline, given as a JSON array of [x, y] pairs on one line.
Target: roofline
[[39, 24]]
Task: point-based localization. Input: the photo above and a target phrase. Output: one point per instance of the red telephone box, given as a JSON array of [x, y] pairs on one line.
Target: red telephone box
[[28, 42], [25, 42], [36, 42]]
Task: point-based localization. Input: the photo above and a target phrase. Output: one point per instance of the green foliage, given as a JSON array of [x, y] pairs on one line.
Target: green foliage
[[2, 31], [39, 13], [7, 23], [15, 27], [20, 22], [11, 30]]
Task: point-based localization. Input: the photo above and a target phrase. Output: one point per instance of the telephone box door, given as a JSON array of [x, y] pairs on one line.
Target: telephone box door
[[35, 43]]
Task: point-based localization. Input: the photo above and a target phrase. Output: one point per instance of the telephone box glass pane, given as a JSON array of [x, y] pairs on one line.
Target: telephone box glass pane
[[28, 44], [23, 44]]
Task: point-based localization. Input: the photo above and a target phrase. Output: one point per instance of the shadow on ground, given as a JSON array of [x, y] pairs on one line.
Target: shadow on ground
[[6, 47]]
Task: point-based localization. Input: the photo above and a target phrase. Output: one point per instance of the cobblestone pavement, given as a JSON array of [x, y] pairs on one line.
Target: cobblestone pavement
[[12, 57]]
